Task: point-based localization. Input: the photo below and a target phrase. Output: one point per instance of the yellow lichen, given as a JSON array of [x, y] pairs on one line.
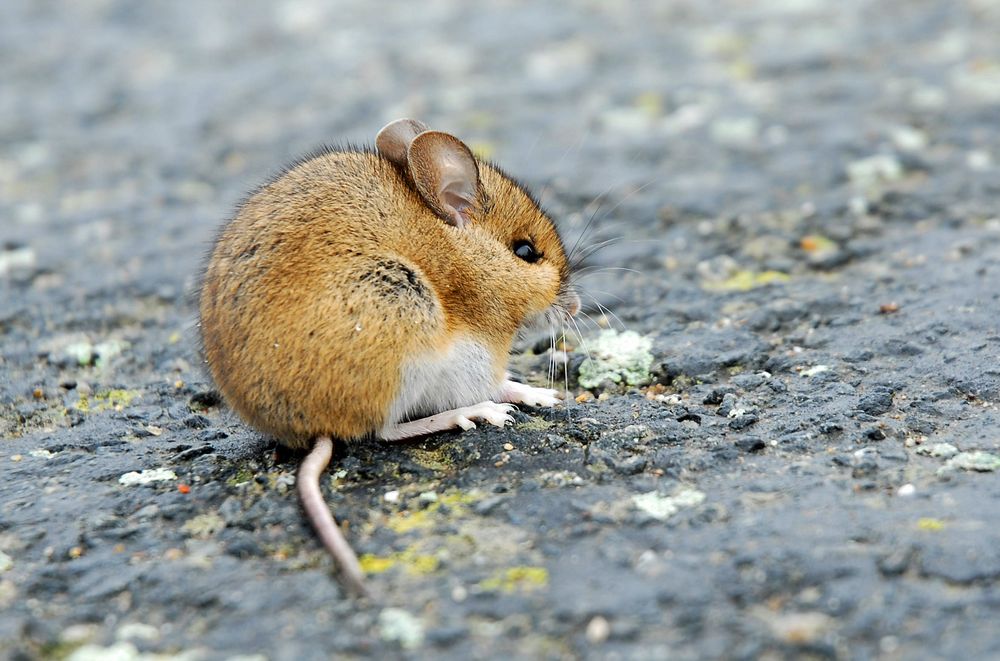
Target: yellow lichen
[[456, 503], [116, 399], [745, 280], [929, 524], [517, 578], [435, 460], [649, 103], [414, 563]]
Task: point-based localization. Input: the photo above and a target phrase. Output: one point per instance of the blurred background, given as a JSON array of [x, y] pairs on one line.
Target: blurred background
[[804, 195], [129, 130]]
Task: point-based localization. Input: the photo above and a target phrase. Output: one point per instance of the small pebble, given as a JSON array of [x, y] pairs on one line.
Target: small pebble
[[598, 630], [888, 308], [801, 628]]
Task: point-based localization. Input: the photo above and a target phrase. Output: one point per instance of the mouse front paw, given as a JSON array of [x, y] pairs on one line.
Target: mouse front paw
[[522, 393]]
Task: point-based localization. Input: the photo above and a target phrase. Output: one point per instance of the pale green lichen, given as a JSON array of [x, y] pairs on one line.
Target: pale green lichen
[[535, 424], [617, 357], [974, 461], [204, 525]]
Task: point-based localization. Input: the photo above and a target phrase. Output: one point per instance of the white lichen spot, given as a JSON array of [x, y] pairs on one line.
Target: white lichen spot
[[16, 259], [398, 626], [874, 170], [137, 631], [663, 507], [147, 476], [940, 450], [617, 357], [126, 651]]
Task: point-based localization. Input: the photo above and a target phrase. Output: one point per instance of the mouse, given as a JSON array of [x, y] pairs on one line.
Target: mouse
[[375, 294]]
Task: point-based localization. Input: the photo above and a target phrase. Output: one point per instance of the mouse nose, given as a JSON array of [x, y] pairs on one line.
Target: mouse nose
[[572, 303]]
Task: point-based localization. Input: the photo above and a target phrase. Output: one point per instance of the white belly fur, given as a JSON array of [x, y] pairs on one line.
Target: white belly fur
[[461, 377]]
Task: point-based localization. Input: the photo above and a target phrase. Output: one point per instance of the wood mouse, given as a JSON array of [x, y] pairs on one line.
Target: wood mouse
[[377, 293]]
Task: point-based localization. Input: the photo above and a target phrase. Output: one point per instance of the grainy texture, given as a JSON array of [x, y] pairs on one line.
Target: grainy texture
[[808, 194]]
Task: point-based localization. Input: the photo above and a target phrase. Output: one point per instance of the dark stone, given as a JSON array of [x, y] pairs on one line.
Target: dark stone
[[191, 453], [205, 399], [750, 444], [196, 421], [876, 403], [875, 434], [743, 421]]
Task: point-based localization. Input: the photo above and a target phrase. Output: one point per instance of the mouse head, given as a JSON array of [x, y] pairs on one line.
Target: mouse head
[[465, 192]]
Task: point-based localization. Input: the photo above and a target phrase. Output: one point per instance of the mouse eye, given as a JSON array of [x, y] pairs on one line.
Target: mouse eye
[[526, 250]]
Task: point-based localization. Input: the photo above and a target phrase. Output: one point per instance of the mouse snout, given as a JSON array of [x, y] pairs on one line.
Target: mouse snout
[[569, 300]]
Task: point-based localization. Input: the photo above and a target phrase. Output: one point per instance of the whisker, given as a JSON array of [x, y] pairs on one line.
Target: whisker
[[606, 293], [583, 342], [610, 211], [552, 357], [600, 269], [569, 395], [606, 311], [590, 250]]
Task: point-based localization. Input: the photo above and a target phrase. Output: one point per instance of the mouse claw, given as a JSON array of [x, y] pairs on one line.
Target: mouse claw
[[498, 415], [495, 414]]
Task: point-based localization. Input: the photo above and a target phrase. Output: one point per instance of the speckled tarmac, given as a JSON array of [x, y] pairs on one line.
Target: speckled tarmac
[[805, 196]]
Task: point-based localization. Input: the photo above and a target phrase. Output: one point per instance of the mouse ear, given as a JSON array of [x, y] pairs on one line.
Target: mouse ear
[[446, 175], [395, 138]]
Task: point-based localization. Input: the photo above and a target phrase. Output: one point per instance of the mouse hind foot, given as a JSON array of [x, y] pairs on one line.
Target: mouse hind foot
[[496, 414]]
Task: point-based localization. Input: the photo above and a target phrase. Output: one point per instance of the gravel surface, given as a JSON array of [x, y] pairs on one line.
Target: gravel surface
[[805, 196]]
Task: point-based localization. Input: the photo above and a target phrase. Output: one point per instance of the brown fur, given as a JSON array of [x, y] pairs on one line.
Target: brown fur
[[332, 275]]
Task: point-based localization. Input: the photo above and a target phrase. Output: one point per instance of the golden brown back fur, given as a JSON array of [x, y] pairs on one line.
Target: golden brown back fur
[[332, 276]]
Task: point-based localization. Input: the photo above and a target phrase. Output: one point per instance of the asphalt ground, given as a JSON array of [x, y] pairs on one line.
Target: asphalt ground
[[804, 194]]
